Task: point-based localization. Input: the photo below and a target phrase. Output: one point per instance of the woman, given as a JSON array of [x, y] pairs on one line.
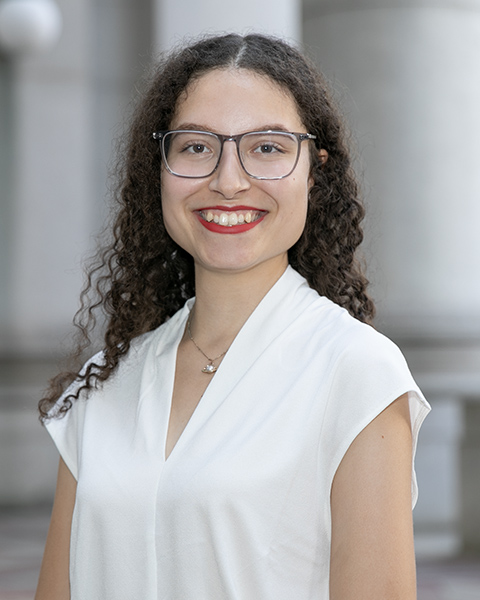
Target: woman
[[255, 441]]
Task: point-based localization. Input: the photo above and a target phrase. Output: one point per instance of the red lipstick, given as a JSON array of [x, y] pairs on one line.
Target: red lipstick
[[233, 228], [230, 208], [212, 226]]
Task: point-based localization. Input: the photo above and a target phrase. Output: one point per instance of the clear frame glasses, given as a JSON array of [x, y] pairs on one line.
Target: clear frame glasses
[[262, 154]]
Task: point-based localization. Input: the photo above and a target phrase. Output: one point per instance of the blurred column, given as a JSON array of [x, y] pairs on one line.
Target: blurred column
[[407, 71], [47, 206], [61, 111], [411, 71], [50, 198], [175, 20], [6, 164]]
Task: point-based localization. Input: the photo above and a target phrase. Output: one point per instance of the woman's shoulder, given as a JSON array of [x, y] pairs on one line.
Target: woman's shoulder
[[367, 369], [326, 326], [361, 345], [130, 365], [347, 336]]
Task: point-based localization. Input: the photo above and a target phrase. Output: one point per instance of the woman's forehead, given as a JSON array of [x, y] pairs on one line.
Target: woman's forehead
[[236, 97]]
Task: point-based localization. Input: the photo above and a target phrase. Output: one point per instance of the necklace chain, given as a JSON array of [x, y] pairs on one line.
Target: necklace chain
[[209, 368]]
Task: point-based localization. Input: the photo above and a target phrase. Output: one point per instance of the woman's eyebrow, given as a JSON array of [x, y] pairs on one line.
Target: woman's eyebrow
[[194, 127], [206, 128]]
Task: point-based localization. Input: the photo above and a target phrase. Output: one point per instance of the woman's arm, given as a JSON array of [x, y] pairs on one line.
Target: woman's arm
[[54, 581], [372, 554]]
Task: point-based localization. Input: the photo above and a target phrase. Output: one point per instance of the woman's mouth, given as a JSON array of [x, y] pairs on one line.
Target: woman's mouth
[[230, 220]]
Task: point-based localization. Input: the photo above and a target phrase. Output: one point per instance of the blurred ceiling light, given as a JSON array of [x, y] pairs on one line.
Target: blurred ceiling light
[[29, 26]]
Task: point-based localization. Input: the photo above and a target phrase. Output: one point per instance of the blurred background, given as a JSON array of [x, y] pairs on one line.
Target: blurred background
[[407, 74]]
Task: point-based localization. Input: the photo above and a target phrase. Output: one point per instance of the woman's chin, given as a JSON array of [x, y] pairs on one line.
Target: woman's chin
[[237, 264]]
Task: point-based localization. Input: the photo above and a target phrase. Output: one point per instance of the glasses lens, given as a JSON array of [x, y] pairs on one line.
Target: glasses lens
[[269, 155], [191, 153]]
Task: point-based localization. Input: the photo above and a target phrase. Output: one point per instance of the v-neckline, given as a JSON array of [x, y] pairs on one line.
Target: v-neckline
[[237, 358], [173, 362], [171, 403], [173, 371]]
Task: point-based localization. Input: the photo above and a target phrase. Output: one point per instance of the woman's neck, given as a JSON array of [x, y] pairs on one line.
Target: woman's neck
[[224, 302]]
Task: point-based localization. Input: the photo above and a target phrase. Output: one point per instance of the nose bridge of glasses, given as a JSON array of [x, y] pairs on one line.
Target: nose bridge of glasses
[[231, 138]]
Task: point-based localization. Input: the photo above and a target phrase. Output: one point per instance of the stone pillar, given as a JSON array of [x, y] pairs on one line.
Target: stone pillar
[[407, 71], [6, 165], [471, 476], [61, 113], [50, 220], [175, 20], [410, 69]]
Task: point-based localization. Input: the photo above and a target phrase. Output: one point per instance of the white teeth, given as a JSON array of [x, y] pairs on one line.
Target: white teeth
[[231, 218]]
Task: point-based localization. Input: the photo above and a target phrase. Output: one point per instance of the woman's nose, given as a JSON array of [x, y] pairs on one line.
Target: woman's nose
[[230, 178]]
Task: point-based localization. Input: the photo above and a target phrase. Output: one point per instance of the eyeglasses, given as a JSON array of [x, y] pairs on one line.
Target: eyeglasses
[[262, 154]]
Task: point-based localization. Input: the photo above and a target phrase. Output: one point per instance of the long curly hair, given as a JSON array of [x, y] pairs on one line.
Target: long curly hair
[[143, 277]]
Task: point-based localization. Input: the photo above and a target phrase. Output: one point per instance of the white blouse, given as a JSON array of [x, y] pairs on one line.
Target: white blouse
[[240, 510]]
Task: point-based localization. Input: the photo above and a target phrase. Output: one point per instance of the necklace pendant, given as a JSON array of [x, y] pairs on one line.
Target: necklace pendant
[[209, 369]]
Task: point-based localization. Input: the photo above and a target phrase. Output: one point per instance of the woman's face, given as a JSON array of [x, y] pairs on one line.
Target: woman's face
[[231, 102]]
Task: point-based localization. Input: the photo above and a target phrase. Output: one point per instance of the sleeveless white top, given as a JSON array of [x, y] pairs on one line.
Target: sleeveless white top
[[240, 510]]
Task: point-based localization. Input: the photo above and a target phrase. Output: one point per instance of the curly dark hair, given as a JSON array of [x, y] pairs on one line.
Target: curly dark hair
[[143, 277]]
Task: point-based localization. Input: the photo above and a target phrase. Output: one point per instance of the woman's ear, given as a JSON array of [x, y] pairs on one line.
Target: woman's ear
[[323, 157]]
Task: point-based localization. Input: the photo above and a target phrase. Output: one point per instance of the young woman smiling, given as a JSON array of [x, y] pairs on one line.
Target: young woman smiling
[[245, 433]]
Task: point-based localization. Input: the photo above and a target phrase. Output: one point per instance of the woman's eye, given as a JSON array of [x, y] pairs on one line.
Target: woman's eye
[[196, 148], [266, 149]]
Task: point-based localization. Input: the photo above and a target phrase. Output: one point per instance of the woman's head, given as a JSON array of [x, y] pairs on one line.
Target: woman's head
[[332, 233], [325, 252]]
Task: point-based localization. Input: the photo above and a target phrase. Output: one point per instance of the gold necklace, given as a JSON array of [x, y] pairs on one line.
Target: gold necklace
[[209, 368]]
